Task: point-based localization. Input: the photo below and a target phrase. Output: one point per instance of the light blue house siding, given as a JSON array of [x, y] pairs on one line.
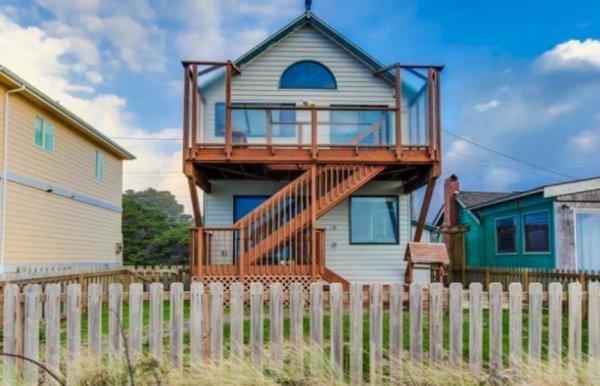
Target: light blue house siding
[[481, 245]]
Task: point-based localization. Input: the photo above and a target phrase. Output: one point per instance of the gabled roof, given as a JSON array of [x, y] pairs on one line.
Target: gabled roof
[[308, 18], [85, 127], [471, 199]]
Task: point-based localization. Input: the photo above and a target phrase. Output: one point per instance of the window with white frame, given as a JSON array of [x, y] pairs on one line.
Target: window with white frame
[[43, 134], [98, 164]]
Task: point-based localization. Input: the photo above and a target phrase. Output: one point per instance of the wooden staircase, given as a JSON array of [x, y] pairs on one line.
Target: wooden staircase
[[282, 229]]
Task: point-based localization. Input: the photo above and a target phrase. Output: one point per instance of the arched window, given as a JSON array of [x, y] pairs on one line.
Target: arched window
[[307, 74]]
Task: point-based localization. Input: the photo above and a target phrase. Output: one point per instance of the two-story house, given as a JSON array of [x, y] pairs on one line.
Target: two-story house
[[306, 149], [61, 184]]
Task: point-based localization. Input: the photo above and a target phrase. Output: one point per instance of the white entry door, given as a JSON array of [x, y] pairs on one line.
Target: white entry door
[[587, 232]]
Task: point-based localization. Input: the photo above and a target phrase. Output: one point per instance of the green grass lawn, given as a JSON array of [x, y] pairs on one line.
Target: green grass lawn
[[365, 331]]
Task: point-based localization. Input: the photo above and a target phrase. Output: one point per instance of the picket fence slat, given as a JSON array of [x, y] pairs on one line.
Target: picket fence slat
[[216, 322], [575, 321], [475, 327], [416, 322], [555, 322], [376, 333], [436, 337], [297, 322], [256, 323], [456, 324], [276, 324], [73, 322], [27, 310], [155, 328], [495, 333], [535, 322], [515, 325], [115, 319], [594, 320], [136, 319], [396, 293], [316, 316], [236, 304], [176, 324], [356, 332], [11, 324], [31, 344], [52, 307], [336, 304]]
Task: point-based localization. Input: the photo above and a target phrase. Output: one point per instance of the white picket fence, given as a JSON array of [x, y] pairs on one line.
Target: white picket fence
[[208, 315]]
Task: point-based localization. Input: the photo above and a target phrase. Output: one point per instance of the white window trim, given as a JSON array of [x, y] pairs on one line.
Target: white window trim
[[97, 153], [516, 252], [524, 246], [43, 145]]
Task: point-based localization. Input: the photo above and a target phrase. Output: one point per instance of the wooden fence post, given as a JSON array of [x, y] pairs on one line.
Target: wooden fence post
[[336, 306], [297, 322], [276, 325], [256, 324], [216, 322], [555, 322], [396, 294], [316, 316], [436, 325], [176, 323], [136, 318], [575, 322], [475, 327], [456, 324], [376, 333], [31, 333], [155, 333], [416, 323], [236, 304], [73, 323], [515, 325], [495, 329], [94, 307], [52, 318], [11, 300], [356, 333], [535, 323], [115, 319], [594, 320]]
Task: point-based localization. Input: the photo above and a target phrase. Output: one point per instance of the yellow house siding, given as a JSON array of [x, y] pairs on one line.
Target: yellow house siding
[[2, 98], [44, 228], [70, 165]]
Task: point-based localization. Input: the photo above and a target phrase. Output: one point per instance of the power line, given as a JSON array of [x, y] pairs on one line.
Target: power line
[[510, 157]]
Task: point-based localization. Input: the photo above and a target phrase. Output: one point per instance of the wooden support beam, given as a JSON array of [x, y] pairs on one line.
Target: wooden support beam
[[424, 209], [228, 128], [195, 201], [201, 180], [398, 114]]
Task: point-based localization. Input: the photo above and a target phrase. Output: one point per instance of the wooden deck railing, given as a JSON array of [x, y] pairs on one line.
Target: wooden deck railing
[[412, 123]]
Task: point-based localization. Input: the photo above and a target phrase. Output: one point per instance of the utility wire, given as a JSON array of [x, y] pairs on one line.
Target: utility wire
[[510, 157]]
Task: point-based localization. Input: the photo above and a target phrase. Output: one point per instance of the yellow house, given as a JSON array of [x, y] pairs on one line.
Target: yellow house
[[61, 183]]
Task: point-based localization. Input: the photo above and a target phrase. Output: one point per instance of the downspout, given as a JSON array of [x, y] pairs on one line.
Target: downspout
[[5, 175]]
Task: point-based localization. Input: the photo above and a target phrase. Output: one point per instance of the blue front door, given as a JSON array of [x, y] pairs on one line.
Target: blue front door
[[242, 205]]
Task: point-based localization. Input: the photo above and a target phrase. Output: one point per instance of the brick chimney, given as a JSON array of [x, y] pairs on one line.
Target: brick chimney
[[451, 209]]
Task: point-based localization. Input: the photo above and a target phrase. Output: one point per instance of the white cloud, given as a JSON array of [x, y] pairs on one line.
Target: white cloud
[[587, 142], [500, 179], [43, 65], [571, 55], [457, 149], [483, 107]]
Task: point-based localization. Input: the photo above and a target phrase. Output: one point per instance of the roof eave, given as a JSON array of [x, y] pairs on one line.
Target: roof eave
[[86, 127]]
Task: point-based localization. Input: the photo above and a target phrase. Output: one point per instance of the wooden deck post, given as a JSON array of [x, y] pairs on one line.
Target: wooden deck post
[[186, 114], [313, 132], [228, 128], [195, 105], [398, 112], [313, 222], [241, 260]]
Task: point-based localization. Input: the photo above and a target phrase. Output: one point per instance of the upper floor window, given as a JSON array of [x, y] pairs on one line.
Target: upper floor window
[[98, 164], [536, 232], [307, 74], [43, 134]]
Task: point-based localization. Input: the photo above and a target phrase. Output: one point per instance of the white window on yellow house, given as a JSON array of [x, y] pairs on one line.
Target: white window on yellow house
[[98, 164], [43, 134]]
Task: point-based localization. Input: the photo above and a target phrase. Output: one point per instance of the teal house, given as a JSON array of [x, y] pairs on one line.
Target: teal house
[[552, 226]]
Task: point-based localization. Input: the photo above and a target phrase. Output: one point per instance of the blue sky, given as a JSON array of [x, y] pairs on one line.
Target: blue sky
[[521, 77]]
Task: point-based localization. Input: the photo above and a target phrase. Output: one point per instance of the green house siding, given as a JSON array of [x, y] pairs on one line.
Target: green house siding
[[480, 241]]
